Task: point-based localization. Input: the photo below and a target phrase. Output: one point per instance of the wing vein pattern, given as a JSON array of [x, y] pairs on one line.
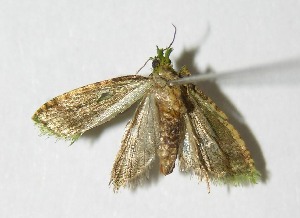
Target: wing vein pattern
[[138, 147]]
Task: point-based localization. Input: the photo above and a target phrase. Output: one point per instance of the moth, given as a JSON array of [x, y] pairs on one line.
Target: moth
[[171, 122]]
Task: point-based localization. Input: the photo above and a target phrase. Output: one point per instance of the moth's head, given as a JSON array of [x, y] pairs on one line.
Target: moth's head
[[162, 59]]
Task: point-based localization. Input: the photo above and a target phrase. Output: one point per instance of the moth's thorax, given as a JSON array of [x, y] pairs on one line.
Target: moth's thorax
[[162, 76], [171, 110]]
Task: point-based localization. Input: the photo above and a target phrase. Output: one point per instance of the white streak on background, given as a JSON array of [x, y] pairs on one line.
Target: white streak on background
[[281, 72]]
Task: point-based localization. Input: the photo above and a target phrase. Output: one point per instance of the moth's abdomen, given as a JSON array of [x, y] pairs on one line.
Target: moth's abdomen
[[171, 111]]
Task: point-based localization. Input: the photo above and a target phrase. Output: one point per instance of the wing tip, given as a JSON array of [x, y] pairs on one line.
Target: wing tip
[[45, 130], [239, 179], [133, 183]]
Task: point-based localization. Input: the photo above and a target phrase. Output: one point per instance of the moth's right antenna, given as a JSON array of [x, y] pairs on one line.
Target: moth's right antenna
[[173, 38]]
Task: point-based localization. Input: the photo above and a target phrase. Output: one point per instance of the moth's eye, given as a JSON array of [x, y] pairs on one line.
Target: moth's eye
[[155, 63]]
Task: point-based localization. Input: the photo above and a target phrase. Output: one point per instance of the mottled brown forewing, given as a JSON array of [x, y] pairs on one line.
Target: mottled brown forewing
[[221, 149], [71, 114]]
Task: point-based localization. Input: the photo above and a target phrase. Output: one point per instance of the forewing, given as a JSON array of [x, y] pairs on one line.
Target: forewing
[[138, 146], [222, 150], [71, 114]]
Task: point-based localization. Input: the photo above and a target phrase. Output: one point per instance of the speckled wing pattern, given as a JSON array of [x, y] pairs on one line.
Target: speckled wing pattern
[[69, 115], [212, 147], [138, 147]]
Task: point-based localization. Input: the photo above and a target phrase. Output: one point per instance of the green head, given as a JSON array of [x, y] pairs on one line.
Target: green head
[[162, 59]]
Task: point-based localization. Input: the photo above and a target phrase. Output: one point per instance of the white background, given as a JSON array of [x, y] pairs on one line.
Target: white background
[[48, 47]]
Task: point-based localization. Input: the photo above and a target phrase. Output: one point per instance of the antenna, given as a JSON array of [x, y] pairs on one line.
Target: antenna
[[173, 37]]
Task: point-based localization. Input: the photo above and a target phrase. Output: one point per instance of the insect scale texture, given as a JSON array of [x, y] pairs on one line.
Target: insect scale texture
[[171, 122]]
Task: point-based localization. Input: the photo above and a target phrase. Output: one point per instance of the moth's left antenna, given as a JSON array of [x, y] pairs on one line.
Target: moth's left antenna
[[143, 66]]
